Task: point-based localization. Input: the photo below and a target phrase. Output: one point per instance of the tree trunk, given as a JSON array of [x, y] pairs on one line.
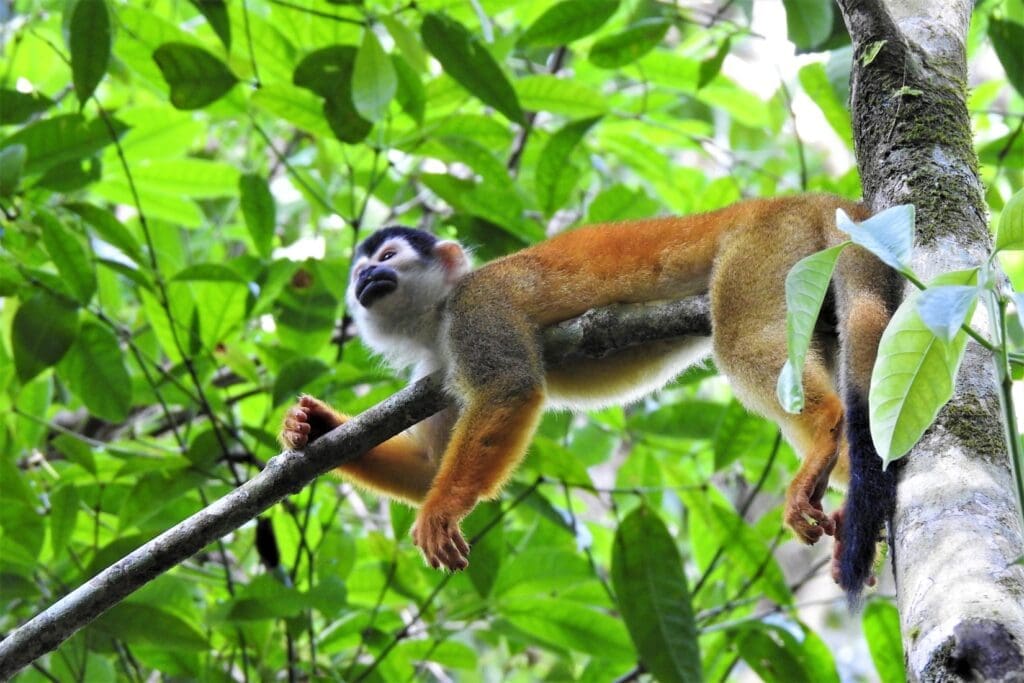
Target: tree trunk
[[956, 530]]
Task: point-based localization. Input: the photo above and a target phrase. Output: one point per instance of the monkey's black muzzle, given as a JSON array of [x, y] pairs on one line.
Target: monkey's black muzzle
[[375, 283]]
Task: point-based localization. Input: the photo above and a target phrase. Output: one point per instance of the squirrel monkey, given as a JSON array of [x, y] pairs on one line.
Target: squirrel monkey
[[416, 301]]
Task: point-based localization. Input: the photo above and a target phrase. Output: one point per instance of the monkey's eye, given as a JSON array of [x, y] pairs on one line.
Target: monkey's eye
[[387, 255]]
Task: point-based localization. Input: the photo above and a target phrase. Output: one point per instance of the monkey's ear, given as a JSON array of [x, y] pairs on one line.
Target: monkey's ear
[[453, 258]]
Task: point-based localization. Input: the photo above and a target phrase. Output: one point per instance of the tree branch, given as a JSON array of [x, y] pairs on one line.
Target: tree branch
[[595, 334]]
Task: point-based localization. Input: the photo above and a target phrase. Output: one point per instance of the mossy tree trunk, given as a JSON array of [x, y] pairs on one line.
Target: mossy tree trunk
[[956, 529]]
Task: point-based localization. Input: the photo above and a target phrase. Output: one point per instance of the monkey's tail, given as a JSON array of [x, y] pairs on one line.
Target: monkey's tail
[[867, 294]]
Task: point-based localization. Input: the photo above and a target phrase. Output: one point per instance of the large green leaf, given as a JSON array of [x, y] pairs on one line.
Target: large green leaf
[[1008, 40], [16, 106], [12, 164], [882, 632], [63, 514], [806, 286], [809, 22], [69, 254], [94, 370], [142, 623], [89, 41], [259, 211], [43, 331], [653, 598], [467, 60], [196, 77], [216, 13], [914, 375], [630, 44], [328, 73], [374, 82], [567, 21], [814, 80], [295, 375], [60, 139], [544, 92], [1010, 235], [568, 626], [555, 175]]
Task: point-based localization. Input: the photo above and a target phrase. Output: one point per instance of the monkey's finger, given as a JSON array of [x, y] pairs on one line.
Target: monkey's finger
[[460, 543]]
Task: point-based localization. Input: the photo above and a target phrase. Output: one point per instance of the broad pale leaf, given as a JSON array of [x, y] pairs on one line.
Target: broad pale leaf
[[944, 309], [259, 211], [809, 22], [806, 286], [554, 167], [12, 163], [69, 254], [889, 235], [913, 377], [373, 79], [653, 598], [1010, 235], [881, 624]]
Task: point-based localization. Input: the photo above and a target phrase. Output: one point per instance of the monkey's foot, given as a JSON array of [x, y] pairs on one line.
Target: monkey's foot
[[306, 422], [439, 538], [837, 549], [807, 519]]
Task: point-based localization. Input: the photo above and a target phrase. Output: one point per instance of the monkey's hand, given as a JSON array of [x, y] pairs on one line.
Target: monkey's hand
[[805, 516], [438, 536], [307, 421]]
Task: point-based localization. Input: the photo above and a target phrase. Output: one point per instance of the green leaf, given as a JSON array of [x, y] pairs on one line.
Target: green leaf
[[69, 254], [889, 235], [43, 331], [944, 309], [806, 285], [882, 632], [216, 13], [565, 625], [1010, 235], [16, 106], [139, 623], [63, 514], [299, 107], [94, 370], [328, 73], [407, 42], [195, 178], [567, 21], [60, 139], [540, 571], [710, 67], [1008, 40], [653, 598], [295, 375], [411, 95], [914, 375], [809, 22], [630, 44], [195, 76], [554, 174], [774, 659], [108, 228], [90, 45], [545, 92], [259, 211], [12, 163], [467, 60], [814, 80], [373, 79]]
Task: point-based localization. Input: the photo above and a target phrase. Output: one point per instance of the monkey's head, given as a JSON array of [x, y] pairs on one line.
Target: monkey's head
[[399, 278]]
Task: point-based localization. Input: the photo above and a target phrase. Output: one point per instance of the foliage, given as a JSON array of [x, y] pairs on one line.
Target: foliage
[[182, 185]]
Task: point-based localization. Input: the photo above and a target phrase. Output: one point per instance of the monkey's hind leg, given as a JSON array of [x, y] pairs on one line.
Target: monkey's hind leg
[[400, 467]]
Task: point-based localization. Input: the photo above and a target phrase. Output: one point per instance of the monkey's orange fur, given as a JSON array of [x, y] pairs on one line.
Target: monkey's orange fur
[[740, 254]]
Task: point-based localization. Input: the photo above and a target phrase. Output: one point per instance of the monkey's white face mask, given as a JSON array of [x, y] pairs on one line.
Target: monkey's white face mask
[[394, 295]]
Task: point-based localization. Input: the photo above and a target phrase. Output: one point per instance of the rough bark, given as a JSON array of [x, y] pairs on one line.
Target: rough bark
[[593, 335], [956, 529]]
